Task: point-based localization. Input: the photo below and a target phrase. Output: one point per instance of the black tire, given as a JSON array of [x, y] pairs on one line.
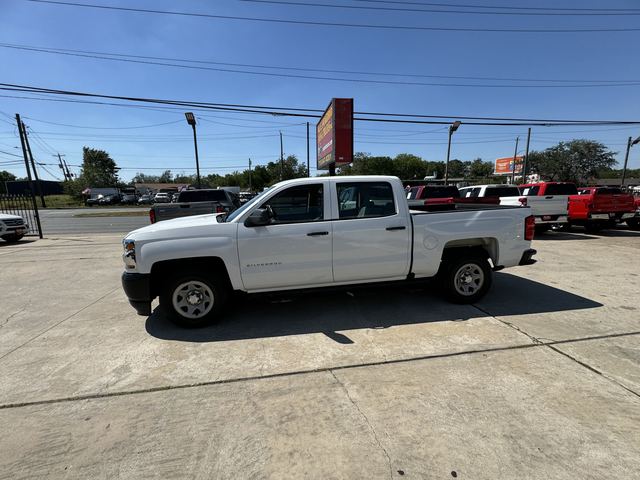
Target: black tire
[[13, 238], [454, 285], [196, 285], [633, 223]]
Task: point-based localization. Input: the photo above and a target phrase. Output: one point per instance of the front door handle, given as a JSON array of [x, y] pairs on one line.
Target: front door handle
[[401, 227], [317, 234], [549, 197]]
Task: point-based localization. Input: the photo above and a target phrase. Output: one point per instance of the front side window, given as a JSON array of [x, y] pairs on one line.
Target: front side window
[[365, 200], [299, 204]]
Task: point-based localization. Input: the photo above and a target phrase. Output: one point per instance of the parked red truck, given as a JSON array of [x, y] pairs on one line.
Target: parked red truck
[[600, 207], [441, 197]]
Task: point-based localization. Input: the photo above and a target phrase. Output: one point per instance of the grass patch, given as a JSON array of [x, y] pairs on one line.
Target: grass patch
[[61, 201], [133, 213]]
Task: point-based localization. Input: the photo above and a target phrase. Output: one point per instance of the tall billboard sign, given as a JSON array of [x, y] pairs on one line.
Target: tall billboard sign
[[505, 166], [334, 135]]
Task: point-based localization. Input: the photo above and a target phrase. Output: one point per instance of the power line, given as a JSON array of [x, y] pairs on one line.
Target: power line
[[500, 7], [342, 25], [103, 128], [440, 10], [150, 60], [288, 111]]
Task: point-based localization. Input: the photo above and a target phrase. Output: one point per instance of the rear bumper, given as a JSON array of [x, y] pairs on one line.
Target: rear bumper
[[137, 288], [551, 219], [527, 257]]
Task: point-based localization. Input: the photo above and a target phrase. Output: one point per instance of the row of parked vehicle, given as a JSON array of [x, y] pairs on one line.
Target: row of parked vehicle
[[558, 205]]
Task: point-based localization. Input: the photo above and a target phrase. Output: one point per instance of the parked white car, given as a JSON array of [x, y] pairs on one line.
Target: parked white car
[[162, 198], [12, 227], [320, 232], [548, 210]]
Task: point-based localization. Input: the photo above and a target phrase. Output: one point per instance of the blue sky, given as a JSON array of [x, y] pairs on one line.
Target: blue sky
[[227, 140]]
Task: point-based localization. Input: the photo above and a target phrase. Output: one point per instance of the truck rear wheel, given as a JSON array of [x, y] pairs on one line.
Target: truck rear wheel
[[633, 223], [193, 300], [466, 279]]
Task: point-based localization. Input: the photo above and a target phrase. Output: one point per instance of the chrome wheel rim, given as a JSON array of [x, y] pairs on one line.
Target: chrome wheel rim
[[468, 279], [193, 299]]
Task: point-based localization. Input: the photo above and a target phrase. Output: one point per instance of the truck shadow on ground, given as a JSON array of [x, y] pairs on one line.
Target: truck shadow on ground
[[366, 307]]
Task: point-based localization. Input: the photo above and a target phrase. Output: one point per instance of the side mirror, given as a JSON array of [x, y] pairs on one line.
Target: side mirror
[[259, 217]]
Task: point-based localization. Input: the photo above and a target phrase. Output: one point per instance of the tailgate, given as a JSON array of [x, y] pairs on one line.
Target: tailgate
[[548, 205], [177, 210]]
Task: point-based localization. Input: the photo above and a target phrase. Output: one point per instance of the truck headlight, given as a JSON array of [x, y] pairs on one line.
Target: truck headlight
[[129, 255]]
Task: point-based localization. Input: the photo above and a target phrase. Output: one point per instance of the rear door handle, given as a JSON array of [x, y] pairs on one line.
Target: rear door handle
[[549, 198], [317, 234], [402, 227]]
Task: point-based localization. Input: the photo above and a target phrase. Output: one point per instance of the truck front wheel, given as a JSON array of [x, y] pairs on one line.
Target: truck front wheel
[[193, 300], [466, 279]]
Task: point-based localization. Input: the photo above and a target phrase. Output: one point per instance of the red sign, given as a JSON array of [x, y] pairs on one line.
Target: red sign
[[504, 166], [334, 134]]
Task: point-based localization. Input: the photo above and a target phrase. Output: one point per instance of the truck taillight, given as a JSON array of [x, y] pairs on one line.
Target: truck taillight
[[152, 216], [523, 201], [219, 209], [529, 227]]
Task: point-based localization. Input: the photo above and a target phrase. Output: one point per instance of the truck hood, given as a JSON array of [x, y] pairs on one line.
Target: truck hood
[[177, 227], [6, 216]]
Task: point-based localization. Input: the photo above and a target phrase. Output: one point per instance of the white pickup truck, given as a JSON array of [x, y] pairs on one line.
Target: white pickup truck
[[319, 232], [548, 210]]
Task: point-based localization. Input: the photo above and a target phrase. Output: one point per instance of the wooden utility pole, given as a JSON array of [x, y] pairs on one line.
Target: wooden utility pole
[[26, 165], [64, 171], [515, 154], [250, 176], [526, 157], [308, 169], [33, 165], [281, 158]]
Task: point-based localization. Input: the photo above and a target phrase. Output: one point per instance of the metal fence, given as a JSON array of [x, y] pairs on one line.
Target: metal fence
[[22, 205]]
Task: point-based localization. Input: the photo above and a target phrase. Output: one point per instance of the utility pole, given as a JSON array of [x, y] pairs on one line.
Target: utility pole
[[33, 164], [191, 120], [515, 154], [308, 169], [526, 157], [281, 157], [69, 174], [26, 165], [630, 143], [64, 172], [250, 176], [452, 128]]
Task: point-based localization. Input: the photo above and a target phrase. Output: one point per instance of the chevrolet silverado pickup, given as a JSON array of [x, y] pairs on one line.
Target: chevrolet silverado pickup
[[600, 207], [441, 197], [549, 210], [549, 202], [320, 232], [195, 202]]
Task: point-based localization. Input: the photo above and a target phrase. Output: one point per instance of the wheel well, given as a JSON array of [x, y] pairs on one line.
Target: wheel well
[[209, 266], [484, 247]]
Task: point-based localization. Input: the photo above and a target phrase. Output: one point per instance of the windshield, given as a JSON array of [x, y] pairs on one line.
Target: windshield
[[236, 213]]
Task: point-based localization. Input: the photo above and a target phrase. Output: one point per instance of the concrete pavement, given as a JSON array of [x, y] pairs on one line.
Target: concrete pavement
[[539, 380]]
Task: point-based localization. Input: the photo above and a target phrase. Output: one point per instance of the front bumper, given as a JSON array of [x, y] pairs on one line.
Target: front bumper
[[527, 257], [137, 288]]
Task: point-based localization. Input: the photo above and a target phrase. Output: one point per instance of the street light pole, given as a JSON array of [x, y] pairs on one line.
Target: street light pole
[[191, 120], [452, 128], [630, 143], [515, 154]]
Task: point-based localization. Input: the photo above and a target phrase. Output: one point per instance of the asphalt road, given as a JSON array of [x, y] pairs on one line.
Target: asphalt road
[[66, 221]]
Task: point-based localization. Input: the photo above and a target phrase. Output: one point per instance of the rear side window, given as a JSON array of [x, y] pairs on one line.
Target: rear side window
[[413, 193], [530, 191], [469, 192], [440, 192], [561, 189], [297, 204], [202, 196], [609, 191], [502, 192], [365, 200]]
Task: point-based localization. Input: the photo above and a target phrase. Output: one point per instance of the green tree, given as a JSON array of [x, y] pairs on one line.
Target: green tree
[[144, 178], [574, 161], [98, 169], [166, 177], [480, 169], [291, 168], [456, 168], [409, 167], [5, 177]]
